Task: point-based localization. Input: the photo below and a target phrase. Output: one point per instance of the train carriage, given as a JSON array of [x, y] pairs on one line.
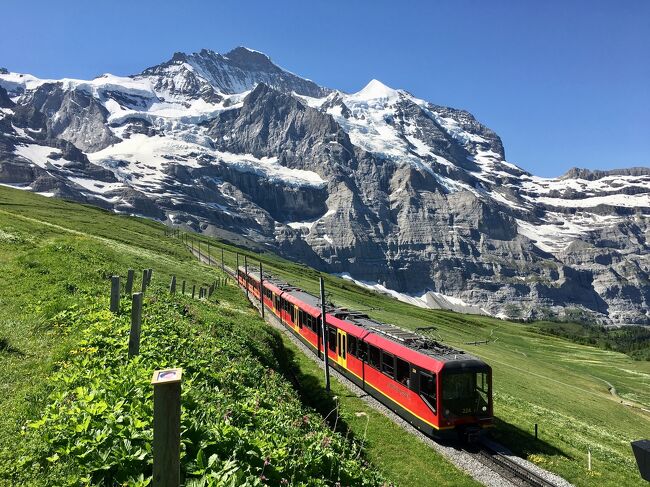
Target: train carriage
[[442, 391]]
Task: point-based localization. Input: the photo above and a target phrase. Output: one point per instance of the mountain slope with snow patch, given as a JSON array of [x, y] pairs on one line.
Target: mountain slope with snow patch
[[377, 184]]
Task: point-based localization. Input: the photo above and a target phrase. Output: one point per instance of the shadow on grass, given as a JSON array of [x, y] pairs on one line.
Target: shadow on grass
[[521, 442], [312, 393], [6, 347]]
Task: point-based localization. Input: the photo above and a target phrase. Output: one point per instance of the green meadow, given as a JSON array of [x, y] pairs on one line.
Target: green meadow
[[562, 386], [76, 411]]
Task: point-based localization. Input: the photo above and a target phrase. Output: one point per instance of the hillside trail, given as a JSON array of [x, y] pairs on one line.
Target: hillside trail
[[106, 240]]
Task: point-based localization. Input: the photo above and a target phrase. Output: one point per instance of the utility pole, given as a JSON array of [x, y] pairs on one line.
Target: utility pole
[[223, 268], [262, 288], [246, 274], [324, 331], [209, 258]]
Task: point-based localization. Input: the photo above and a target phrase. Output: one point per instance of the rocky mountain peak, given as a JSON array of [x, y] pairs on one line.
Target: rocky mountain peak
[[375, 89], [238, 71], [5, 101], [246, 58], [593, 175], [179, 57]]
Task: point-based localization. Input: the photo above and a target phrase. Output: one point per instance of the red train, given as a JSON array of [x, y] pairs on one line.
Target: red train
[[441, 391]]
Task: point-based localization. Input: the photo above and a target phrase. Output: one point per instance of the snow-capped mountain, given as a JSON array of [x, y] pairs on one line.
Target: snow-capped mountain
[[412, 198]]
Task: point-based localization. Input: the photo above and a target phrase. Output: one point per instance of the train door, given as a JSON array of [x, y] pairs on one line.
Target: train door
[[342, 342], [295, 312]]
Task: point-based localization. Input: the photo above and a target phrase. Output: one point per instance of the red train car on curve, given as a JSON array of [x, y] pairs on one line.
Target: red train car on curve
[[442, 391]]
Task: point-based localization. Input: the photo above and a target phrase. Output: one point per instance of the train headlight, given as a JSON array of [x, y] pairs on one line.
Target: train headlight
[[484, 408], [446, 413]]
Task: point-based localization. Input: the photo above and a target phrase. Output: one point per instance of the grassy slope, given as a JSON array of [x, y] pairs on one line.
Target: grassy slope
[[541, 379], [55, 255]]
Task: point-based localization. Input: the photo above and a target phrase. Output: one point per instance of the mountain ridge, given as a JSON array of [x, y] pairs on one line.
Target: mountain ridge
[[379, 184]]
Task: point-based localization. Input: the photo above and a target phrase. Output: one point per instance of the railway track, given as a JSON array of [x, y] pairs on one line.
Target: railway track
[[502, 465], [509, 469]]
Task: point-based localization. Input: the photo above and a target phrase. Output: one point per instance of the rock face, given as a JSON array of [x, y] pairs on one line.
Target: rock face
[[379, 185]]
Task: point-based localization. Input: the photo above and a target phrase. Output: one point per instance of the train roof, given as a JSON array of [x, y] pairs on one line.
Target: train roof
[[453, 358]]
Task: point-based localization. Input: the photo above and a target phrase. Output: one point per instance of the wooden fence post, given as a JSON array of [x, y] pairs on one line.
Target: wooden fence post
[[115, 294], [136, 324], [183, 287], [172, 285], [144, 280], [129, 282], [167, 427], [149, 275], [193, 290]]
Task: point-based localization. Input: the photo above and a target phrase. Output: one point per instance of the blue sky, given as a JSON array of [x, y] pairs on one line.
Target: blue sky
[[564, 83]]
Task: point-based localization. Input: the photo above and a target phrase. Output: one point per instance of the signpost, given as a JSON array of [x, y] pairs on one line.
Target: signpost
[[167, 427]]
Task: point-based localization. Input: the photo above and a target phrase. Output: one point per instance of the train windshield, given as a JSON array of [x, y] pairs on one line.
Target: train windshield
[[466, 394]]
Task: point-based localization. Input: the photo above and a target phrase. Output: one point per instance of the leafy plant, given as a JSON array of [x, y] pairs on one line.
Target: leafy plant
[[242, 423]]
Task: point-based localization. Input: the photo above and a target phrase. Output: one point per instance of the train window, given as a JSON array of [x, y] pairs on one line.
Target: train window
[[313, 323], [482, 388], [331, 339], [388, 364], [352, 346], [402, 372], [277, 302], [373, 356], [363, 350], [428, 390]]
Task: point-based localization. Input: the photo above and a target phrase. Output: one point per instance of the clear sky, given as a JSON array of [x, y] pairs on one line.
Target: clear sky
[[563, 82]]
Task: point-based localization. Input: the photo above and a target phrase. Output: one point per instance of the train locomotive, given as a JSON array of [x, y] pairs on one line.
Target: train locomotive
[[445, 393]]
